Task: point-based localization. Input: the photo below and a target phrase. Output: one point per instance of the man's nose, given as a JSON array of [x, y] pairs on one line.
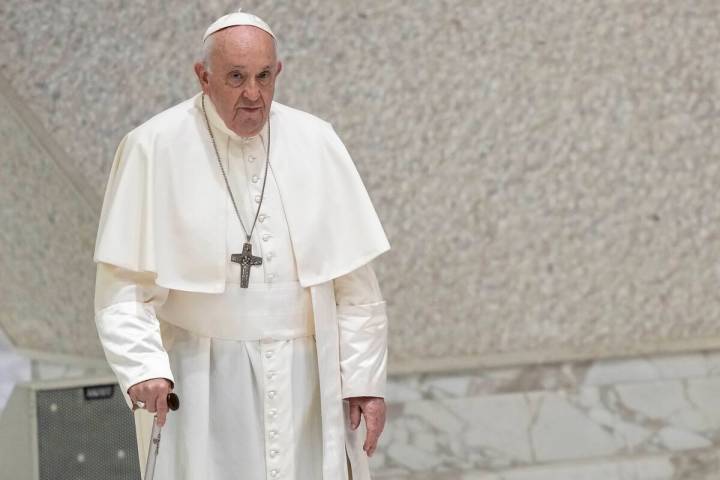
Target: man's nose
[[252, 91]]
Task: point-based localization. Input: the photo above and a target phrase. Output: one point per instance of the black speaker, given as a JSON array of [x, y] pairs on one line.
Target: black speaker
[[68, 430]]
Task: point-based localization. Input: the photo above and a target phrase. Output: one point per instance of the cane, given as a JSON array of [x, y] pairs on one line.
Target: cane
[[173, 402]]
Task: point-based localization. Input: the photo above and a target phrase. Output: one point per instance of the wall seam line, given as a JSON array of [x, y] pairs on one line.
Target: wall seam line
[[46, 142]]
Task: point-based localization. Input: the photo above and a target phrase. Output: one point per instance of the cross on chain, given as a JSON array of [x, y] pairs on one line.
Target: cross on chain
[[246, 260]]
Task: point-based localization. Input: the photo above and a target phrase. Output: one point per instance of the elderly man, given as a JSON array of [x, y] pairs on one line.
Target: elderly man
[[233, 267]]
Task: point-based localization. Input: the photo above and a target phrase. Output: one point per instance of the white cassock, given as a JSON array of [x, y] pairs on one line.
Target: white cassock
[[260, 380]]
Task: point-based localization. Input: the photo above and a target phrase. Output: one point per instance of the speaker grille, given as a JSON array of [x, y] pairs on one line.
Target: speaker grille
[[83, 435]]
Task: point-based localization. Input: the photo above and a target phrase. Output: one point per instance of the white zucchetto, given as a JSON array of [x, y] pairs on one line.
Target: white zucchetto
[[235, 19]]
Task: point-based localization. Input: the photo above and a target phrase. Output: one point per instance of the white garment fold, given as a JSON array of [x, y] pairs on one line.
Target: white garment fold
[[128, 327]]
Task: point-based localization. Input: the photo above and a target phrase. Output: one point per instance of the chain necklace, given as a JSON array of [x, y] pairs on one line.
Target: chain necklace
[[246, 258]]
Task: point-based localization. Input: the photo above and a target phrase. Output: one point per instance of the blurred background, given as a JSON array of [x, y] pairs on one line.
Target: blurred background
[[547, 172]]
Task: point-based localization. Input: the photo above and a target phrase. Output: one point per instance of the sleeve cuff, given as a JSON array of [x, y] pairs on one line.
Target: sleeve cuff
[[363, 350]]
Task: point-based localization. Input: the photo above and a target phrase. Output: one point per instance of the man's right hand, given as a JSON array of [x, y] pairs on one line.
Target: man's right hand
[[154, 394]]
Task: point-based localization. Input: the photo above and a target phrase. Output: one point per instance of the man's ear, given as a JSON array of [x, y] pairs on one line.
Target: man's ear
[[279, 68], [202, 76]]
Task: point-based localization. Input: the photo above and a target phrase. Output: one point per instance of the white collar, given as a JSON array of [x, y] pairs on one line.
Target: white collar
[[218, 123]]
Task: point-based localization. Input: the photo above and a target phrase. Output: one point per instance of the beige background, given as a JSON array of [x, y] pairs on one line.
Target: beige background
[[547, 171]]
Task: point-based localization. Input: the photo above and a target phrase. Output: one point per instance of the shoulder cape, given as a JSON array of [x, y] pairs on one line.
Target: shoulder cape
[[164, 206]]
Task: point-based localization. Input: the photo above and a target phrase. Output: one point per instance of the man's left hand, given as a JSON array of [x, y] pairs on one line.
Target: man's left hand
[[373, 409]]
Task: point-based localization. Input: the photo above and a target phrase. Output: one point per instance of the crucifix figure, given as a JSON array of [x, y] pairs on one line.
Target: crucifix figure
[[246, 260]]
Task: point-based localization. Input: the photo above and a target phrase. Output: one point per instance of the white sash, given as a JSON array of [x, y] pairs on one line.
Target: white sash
[[264, 311]]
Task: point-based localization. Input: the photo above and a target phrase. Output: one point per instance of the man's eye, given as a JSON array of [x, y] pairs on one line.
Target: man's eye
[[264, 75]]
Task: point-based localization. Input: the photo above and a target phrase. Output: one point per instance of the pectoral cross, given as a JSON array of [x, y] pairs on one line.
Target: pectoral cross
[[246, 260]]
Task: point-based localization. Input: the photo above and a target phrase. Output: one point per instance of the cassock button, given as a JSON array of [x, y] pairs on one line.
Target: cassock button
[[255, 178], [262, 217], [271, 394], [257, 198], [251, 158], [273, 433], [266, 237], [274, 473], [274, 453], [272, 412], [269, 354]]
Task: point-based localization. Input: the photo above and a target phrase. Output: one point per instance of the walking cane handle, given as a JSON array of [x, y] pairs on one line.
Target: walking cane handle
[[173, 401]]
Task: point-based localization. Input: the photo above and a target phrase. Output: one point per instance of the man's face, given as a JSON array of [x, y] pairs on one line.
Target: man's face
[[240, 78]]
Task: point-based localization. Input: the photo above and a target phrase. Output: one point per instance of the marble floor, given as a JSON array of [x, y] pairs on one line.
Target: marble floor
[[648, 418], [655, 417]]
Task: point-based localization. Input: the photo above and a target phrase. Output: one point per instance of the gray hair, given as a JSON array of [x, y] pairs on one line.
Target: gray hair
[[207, 51]]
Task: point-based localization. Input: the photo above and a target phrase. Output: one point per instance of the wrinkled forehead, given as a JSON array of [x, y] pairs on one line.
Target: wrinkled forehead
[[242, 44]]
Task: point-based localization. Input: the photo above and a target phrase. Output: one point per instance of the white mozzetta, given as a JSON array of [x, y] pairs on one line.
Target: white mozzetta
[[333, 225]]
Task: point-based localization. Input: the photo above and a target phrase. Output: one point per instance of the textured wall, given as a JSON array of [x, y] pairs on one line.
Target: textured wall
[[47, 235], [547, 171]]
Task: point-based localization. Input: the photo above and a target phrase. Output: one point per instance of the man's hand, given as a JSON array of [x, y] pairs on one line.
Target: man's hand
[[373, 409], [154, 394]]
